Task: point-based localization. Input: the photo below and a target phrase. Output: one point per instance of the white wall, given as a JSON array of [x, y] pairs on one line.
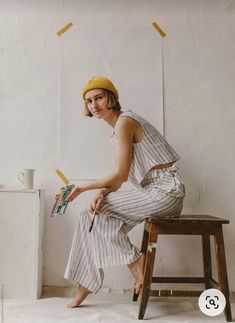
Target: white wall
[[199, 84]]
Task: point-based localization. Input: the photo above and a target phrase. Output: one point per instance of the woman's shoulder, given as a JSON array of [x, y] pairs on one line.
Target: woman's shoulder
[[133, 115], [131, 126], [125, 120], [125, 124], [128, 112]]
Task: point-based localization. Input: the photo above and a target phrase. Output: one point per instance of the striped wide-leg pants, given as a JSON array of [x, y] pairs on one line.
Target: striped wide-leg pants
[[160, 194]]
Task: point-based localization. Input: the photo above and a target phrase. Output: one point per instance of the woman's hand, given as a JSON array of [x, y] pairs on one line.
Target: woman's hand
[[96, 202], [76, 191]]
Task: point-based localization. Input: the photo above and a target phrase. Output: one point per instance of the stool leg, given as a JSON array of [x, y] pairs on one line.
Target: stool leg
[[144, 247], [222, 271], [148, 270], [206, 253]]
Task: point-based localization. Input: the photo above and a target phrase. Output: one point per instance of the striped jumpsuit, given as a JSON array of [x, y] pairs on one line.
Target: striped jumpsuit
[[156, 193]]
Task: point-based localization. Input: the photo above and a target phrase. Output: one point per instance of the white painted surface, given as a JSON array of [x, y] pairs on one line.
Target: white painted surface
[[199, 96], [21, 243], [130, 62]]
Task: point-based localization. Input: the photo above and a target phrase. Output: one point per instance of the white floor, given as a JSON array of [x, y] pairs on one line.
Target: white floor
[[104, 307]]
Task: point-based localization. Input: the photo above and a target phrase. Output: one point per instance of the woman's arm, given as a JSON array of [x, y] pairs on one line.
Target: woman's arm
[[124, 131]]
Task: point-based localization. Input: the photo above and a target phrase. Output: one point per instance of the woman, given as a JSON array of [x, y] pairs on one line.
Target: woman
[[145, 158]]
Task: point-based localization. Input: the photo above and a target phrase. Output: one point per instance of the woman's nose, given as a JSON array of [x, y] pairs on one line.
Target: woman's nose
[[94, 104]]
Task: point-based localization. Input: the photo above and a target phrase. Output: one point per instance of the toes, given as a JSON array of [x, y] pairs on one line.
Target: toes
[[75, 303], [72, 305]]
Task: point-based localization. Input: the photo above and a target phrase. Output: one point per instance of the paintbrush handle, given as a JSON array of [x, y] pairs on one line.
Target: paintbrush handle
[[92, 222]]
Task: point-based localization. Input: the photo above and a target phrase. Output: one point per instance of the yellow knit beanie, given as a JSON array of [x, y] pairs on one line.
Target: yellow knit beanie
[[99, 82]]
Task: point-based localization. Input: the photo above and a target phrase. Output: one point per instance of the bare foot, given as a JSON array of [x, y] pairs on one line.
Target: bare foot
[[82, 293], [137, 270]]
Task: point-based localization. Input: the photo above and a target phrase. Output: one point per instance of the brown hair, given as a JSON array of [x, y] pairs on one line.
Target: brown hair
[[113, 103]]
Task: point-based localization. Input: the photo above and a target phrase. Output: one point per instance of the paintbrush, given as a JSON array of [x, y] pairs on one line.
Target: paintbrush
[[92, 222]]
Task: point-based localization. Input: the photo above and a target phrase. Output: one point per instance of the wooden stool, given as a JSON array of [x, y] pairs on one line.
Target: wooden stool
[[203, 225]]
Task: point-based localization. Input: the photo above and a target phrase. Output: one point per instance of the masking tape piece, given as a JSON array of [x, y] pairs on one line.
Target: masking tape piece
[[161, 32], [64, 29], [62, 177]]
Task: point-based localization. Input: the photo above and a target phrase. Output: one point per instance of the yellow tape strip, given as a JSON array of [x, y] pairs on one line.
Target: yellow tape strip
[[63, 30], [161, 32], [61, 175]]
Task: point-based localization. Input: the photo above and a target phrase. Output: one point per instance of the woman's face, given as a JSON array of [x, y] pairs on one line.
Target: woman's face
[[97, 103]]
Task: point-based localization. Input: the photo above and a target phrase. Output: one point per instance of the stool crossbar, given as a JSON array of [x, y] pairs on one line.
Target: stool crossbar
[[203, 225]]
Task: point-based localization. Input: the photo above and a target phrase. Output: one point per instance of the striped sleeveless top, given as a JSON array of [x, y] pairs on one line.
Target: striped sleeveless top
[[152, 150]]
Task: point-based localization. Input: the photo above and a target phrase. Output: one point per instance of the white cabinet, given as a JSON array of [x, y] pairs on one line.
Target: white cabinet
[[21, 242]]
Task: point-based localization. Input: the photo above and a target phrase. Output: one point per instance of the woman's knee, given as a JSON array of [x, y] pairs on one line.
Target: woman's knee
[[83, 215]]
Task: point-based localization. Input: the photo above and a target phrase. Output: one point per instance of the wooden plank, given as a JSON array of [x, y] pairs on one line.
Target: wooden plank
[[186, 280], [222, 271], [214, 284], [175, 293], [144, 248], [188, 228], [148, 270], [206, 254]]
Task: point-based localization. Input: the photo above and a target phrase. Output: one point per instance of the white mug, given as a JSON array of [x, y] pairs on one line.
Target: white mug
[[26, 178]]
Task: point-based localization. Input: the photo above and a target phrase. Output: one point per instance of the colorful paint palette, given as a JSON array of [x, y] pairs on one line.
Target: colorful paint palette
[[61, 203]]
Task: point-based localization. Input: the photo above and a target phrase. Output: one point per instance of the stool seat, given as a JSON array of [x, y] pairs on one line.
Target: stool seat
[[203, 225], [188, 218]]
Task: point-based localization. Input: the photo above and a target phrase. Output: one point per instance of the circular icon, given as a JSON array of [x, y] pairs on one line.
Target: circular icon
[[212, 302]]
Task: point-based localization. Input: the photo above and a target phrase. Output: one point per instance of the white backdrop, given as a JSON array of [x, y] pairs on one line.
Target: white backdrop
[[131, 57], [199, 99]]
